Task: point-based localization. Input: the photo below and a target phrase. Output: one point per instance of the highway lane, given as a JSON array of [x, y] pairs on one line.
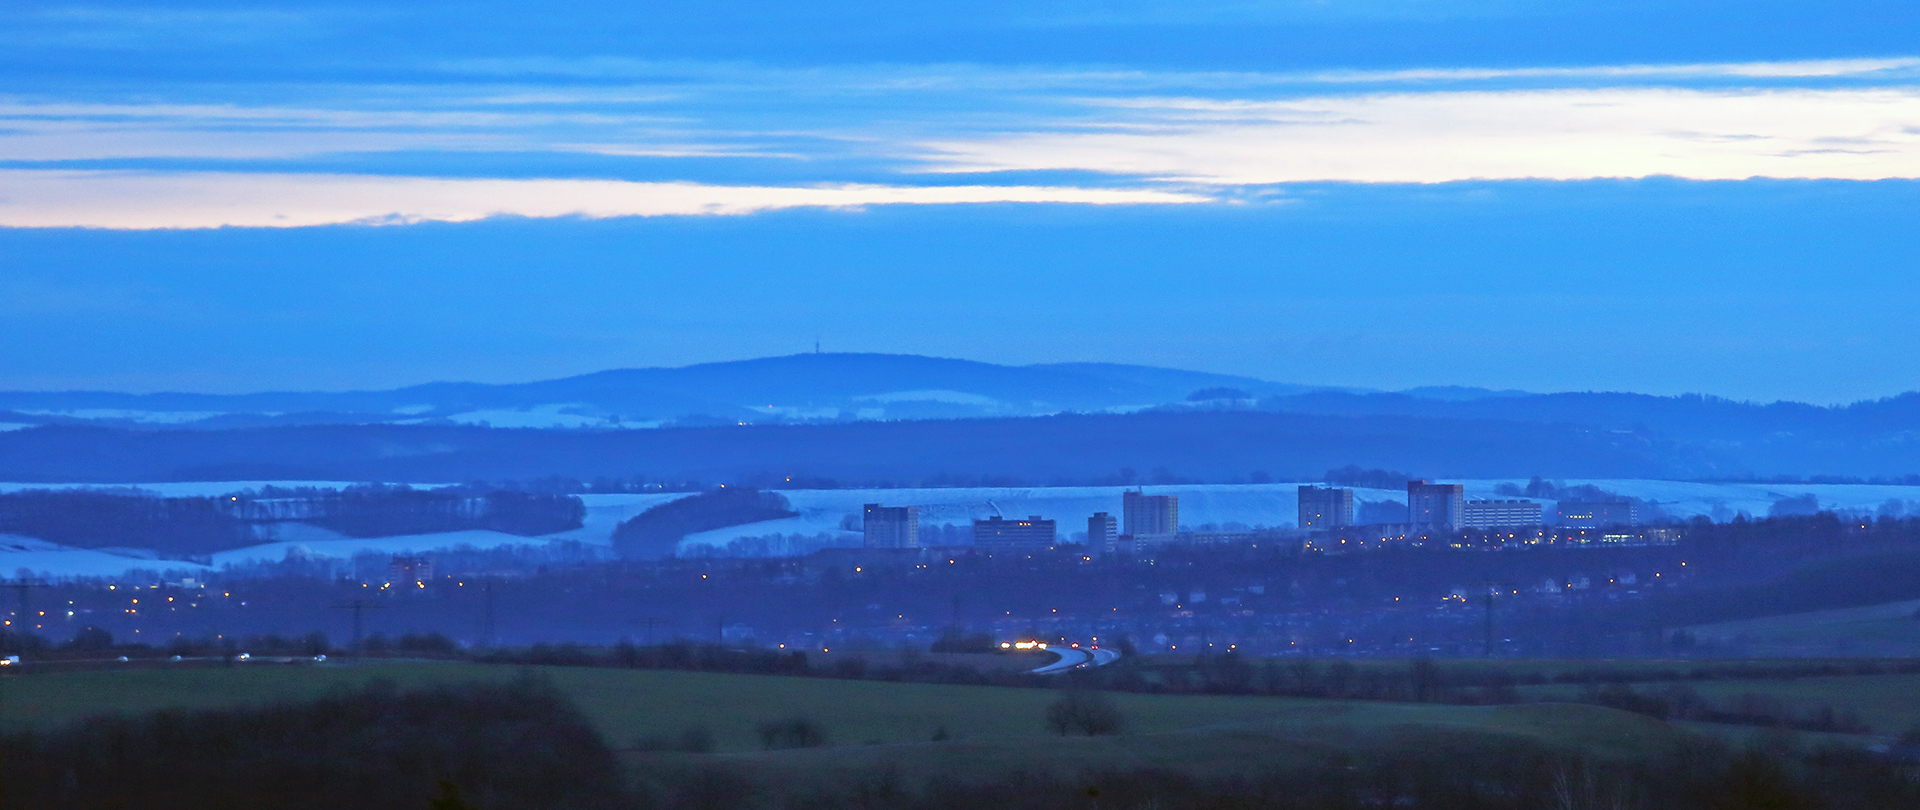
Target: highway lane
[[1071, 658]]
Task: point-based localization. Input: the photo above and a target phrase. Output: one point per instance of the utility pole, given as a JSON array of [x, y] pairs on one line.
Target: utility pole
[[651, 621], [1487, 624], [486, 617], [358, 606]]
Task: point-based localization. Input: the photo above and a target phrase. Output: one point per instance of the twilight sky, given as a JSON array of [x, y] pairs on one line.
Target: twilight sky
[[1663, 197]]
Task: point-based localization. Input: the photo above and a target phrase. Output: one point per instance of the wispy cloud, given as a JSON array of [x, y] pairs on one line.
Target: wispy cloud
[[1446, 136], [42, 131], [1802, 69], [745, 138], [136, 200]]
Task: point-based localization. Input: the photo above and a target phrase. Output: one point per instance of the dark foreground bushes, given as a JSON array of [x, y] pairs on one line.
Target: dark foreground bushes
[[520, 746], [503, 746], [1513, 778]]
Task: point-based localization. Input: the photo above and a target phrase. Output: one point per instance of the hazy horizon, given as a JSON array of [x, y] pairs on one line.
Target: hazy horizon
[[1620, 196], [1039, 364]]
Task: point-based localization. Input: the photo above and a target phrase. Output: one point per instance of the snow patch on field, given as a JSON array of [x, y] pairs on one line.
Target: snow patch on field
[[933, 395], [604, 512], [141, 417], [564, 415]]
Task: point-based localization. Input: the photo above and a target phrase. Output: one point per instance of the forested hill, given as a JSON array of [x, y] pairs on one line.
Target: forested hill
[[1691, 417], [1192, 446], [1689, 435], [796, 388], [203, 525]]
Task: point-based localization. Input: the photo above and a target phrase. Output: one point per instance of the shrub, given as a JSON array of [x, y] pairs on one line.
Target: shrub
[[1090, 713], [694, 740], [793, 732], [518, 745]]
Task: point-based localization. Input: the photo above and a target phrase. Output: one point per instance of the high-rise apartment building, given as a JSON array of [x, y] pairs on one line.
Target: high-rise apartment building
[[996, 534], [1103, 533], [1434, 506], [404, 568], [891, 526], [1498, 514], [1150, 516], [1325, 508]]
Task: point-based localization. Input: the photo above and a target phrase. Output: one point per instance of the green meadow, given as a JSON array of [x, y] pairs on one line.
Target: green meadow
[[893, 724]]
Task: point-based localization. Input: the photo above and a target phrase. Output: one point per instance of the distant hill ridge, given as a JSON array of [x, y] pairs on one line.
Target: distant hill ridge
[[794, 388], [1587, 433]]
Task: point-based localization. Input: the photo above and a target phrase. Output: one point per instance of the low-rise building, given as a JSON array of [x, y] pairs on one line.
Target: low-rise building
[[1494, 514], [1599, 514]]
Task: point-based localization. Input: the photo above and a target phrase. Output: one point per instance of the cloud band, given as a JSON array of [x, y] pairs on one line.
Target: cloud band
[[140, 200]]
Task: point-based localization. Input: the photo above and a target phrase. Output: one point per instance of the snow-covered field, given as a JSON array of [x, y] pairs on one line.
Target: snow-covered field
[[830, 512], [27, 558], [197, 489]]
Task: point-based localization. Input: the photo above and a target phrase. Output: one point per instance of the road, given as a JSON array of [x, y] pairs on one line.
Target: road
[[1071, 658]]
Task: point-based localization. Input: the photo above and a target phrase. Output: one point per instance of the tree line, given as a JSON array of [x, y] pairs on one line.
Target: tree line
[[657, 532], [193, 526]]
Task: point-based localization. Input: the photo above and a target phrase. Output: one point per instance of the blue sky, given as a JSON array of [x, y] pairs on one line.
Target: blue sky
[[1660, 197]]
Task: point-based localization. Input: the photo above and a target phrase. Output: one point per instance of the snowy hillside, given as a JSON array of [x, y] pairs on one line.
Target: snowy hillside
[[831, 517]]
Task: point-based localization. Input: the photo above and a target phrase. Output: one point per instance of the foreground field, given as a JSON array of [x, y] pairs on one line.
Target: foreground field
[[516, 742], [627, 705], [1888, 704]]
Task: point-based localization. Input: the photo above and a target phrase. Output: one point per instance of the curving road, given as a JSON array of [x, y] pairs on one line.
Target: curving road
[[1071, 658]]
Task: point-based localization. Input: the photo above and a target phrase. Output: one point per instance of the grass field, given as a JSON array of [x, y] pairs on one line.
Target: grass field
[[1890, 704], [1889, 630], [1553, 669], [870, 721]]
